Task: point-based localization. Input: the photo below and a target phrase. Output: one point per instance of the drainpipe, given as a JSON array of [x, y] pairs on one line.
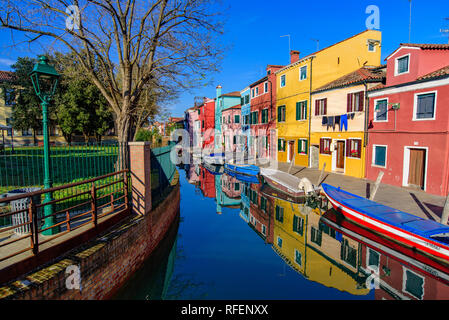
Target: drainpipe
[[310, 111], [365, 133]]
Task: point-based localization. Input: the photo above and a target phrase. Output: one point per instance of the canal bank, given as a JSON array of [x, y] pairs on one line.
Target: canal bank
[[413, 201], [103, 264]]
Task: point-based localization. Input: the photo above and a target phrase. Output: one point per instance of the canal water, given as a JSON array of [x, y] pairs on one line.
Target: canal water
[[241, 240]]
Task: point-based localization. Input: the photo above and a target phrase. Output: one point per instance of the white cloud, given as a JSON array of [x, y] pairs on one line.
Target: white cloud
[[6, 62]]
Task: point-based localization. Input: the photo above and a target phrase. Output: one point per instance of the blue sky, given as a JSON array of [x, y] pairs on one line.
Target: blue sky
[[253, 30]]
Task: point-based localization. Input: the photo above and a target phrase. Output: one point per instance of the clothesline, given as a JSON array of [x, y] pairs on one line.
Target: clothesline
[[341, 120]]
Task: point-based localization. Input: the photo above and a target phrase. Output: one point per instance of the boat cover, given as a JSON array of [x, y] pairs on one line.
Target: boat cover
[[423, 227]]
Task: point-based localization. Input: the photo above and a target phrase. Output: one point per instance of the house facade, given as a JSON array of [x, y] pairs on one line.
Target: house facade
[[263, 115], [245, 110], [207, 120], [193, 126], [409, 120], [296, 82], [338, 123], [231, 127], [223, 101]]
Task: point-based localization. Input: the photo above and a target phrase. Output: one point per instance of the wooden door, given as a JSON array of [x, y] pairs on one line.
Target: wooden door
[[417, 168], [291, 150], [340, 154]]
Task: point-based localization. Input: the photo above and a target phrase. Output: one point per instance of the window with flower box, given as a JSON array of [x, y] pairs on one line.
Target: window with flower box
[[325, 145], [354, 148]]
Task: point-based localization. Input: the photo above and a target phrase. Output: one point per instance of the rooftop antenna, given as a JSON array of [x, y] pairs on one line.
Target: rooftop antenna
[[445, 31], [410, 22], [287, 35], [317, 43]]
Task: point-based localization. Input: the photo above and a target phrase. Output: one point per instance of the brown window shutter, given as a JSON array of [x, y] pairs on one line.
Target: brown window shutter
[[325, 106], [321, 145], [348, 108], [362, 94], [316, 107]]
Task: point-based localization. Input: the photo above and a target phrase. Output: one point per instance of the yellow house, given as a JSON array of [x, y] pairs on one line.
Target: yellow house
[[338, 122], [296, 82], [315, 250]]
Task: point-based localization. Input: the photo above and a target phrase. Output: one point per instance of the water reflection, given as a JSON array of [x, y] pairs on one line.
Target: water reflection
[[323, 247], [276, 246]]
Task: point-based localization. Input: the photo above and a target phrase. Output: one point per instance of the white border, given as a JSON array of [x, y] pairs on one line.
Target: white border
[[303, 139], [304, 66], [361, 148], [294, 254], [334, 155], [406, 166], [280, 81], [404, 280], [375, 112], [370, 267], [415, 105], [396, 65], [374, 155]]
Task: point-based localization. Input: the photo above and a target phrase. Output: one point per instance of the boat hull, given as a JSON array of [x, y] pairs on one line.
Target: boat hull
[[249, 170], [401, 235]]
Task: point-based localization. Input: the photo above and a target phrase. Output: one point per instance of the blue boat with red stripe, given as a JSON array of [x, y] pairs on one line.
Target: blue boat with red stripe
[[428, 236]]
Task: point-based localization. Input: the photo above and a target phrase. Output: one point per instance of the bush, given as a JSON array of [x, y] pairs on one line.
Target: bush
[[143, 135]]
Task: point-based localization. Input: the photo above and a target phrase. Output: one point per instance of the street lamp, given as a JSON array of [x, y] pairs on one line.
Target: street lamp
[[45, 80]]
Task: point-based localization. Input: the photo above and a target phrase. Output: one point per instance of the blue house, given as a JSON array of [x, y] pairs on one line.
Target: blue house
[[246, 110], [223, 101]]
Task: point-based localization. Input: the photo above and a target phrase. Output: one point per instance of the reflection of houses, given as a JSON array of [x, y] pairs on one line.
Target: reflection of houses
[[207, 183], [319, 253], [192, 175], [261, 213], [402, 281], [245, 207], [225, 196]]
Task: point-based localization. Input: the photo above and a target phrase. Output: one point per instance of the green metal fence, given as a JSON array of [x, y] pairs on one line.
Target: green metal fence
[[162, 170], [23, 168]]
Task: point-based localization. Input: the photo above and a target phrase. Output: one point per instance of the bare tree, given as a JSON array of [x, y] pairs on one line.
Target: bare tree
[[126, 46]]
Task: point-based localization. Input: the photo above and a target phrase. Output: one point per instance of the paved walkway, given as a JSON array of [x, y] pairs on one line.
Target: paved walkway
[[409, 200]]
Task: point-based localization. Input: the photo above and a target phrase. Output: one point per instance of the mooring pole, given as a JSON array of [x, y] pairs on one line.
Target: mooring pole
[[321, 174], [376, 185], [445, 214]]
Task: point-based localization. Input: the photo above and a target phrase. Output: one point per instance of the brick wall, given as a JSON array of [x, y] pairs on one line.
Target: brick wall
[[105, 263]]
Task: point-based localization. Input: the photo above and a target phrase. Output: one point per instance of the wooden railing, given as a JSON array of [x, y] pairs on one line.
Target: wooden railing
[[90, 201]]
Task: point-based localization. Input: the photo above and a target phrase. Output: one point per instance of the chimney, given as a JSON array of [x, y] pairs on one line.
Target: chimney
[[294, 56], [218, 91]]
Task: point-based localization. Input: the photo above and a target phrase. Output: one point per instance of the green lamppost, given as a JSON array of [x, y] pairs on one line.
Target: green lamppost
[[45, 80]]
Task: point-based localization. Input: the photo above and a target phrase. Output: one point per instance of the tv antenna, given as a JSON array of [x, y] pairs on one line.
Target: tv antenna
[[410, 22], [289, 49]]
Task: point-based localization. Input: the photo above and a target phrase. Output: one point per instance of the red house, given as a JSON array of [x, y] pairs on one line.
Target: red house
[[207, 119], [409, 120], [207, 183], [263, 115]]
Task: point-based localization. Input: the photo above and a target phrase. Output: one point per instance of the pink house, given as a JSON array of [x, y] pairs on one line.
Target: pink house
[[409, 120], [193, 126], [231, 127]]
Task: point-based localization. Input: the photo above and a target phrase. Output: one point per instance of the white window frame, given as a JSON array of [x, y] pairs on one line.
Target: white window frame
[[396, 65], [302, 141], [415, 105], [257, 91], [374, 155], [330, 143], [264, 230], [283, 143], [303, 119], [406, 165], [285, 80], [277, 242], [370, 267], [321, 105], [373, 44], [262, 114], [375, 112], [404, 280], [300, 72], [294, 253], [252, 93], [265, 87]]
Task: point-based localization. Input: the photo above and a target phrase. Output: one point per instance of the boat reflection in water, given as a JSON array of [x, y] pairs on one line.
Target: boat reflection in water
[[236, 233], [324, 247]]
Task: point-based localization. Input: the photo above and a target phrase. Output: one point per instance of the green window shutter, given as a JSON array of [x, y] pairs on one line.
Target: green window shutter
[[279, 145], [299, 146], [306, 147], [295, 223], [298, 111], [305, 110]]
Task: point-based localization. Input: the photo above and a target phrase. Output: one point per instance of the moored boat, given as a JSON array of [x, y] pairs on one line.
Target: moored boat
[[215, 159], [214, 169], [241, 177], [421, 234], [285, 182], [243, 169]]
